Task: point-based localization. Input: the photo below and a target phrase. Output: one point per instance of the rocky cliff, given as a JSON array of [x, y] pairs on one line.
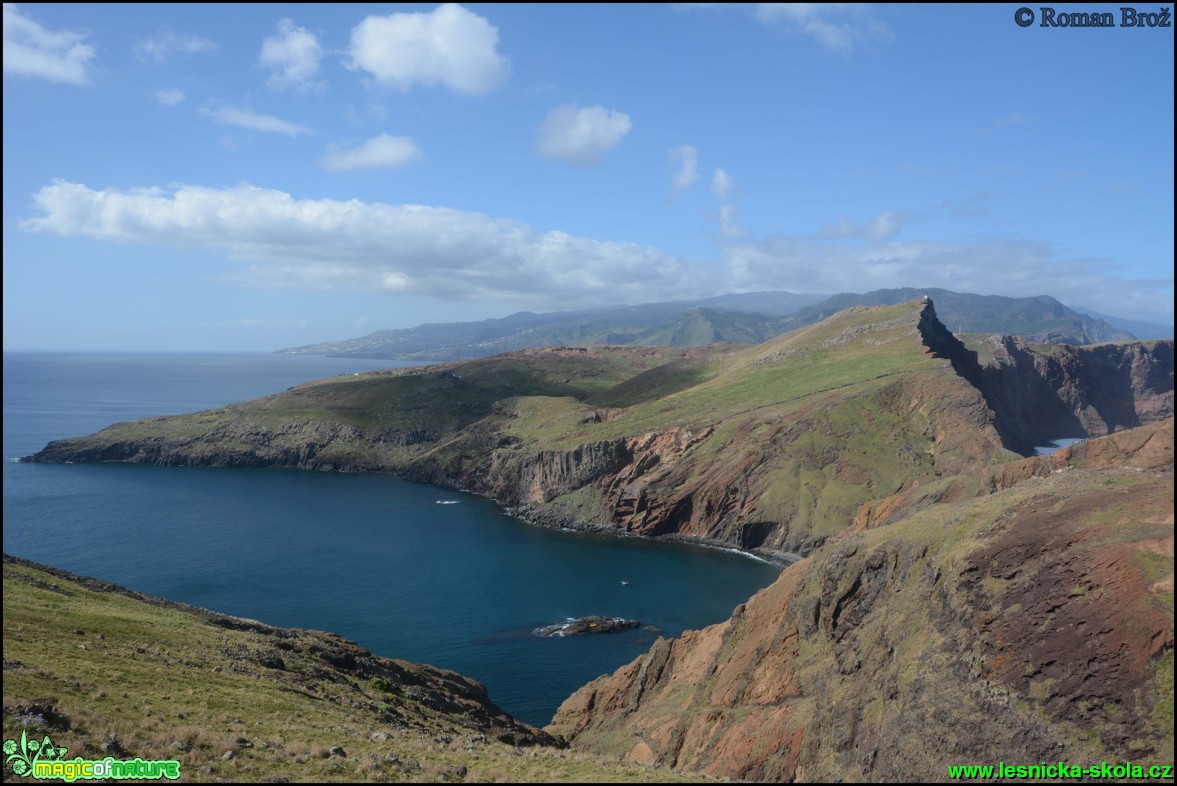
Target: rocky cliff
[[770, 448], [774, 447], [1042, 392], [1031, 624]]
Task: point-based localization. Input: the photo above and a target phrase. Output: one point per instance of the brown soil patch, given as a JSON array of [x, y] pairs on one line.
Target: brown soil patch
[[1072, 626], [1162, 546]]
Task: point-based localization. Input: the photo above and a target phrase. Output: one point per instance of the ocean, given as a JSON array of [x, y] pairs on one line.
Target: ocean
[[407, 570]]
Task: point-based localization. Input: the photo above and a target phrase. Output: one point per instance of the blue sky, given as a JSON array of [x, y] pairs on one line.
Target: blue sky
[[254, 177]]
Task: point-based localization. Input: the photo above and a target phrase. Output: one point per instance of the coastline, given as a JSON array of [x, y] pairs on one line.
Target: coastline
[[549, 519]]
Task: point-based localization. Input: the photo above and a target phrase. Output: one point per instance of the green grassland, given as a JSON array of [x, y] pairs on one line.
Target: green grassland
[[431, 401], [647, 382]]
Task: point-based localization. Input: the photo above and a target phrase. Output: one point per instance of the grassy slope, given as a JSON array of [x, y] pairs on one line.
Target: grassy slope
[[411, 406], [780, 374], [657, 385], [963, 312], [141, 677]]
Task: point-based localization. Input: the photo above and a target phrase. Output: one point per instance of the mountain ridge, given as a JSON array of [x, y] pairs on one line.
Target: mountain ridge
[[748, 318]]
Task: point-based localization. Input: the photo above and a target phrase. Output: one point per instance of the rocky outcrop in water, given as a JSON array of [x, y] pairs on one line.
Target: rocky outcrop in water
[[586, 626]]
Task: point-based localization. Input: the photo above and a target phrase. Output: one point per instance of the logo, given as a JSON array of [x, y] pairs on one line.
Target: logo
[[45, 761]]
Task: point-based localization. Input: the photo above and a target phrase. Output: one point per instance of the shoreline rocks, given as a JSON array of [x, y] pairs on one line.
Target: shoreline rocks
[[586, 626]]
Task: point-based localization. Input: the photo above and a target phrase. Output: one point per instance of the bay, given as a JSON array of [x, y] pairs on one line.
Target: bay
[[407, 570]]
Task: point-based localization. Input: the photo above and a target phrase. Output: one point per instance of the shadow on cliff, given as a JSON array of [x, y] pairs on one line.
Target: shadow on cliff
[[1041, 394]]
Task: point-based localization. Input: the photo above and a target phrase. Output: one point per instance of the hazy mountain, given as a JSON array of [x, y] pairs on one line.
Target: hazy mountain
[[748, 318], [1040, 319], [724, 318], [1142, 330]]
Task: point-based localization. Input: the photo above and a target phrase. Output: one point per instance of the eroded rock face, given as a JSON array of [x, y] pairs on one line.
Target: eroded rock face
[[1075, 391], [1147, 447], [538, 479], [1026, 624], [1070, 622]]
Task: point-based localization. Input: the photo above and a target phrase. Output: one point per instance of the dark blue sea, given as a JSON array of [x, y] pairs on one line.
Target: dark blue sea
[[407, 570]]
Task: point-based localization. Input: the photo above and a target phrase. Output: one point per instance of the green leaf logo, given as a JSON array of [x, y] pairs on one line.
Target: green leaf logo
[[23, 757]]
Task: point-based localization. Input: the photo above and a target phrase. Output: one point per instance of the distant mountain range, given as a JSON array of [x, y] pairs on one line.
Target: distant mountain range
[[744, 318], [1145, 331]]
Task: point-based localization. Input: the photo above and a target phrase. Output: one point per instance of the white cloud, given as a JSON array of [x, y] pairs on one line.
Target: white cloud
[[169, 97], [459, 255], [722, 185], [293, 55], [166, 43], [729, 222], [685, 161], [580, 136], [882, 227], [328, 244], [838, 27], [254, 121], [448, 46], [885, 225], [379, 151], [32, 50]]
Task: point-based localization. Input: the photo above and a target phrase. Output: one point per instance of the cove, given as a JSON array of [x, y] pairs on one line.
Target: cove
[[406, 570]]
